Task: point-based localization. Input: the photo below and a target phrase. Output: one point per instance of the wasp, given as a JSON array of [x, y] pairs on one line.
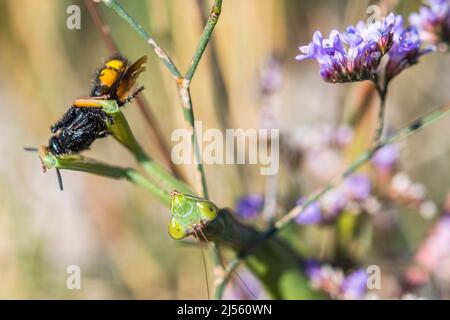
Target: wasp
[[84, 121]]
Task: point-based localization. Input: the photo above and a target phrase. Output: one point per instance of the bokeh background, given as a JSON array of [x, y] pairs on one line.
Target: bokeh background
[[114, 231]]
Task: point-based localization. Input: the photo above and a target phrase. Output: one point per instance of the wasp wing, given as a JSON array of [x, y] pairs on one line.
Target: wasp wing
[[130, 77]]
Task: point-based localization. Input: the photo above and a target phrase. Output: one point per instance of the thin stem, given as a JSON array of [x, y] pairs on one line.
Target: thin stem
[[99, 168], [188, 111], [185, 93], [183, 82], [223, 281], [382, 93], [221, 96], [161, 176], [206, 36], [119, 128], [113, 4], [361, 160]]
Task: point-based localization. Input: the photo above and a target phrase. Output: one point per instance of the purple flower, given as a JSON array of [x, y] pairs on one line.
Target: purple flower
[[354, 55], [324, 277], [344, 135], [334, 202], [433, 21], [358, 186], [354, 285], [271, 77], [312, 214], [405, 50], [312, 269], [249, 207], [386, 158], [433, 255]]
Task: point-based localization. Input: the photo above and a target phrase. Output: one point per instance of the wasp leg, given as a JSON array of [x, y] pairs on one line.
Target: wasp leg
[[60, 183], [131, 96]]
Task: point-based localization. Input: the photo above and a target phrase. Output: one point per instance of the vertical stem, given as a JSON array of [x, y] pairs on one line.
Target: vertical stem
[[207, 32], [221, 101], [188, 112], [382, 92], [185, 93]]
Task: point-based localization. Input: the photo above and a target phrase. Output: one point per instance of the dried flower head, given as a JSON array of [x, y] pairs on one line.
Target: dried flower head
[[354, 55], [433, 22]]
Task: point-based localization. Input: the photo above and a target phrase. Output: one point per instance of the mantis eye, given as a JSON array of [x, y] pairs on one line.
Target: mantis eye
[[207, 209], [175, 230]]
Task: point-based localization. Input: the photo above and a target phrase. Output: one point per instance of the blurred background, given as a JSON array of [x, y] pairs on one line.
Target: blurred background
[[248, 78]]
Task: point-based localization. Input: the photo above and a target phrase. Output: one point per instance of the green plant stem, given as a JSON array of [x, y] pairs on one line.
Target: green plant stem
[[188, 112], [99, 168], [223, 281], [182, 82], [361, 160], [121, 131], [113, 4], [206, 36], [185, 93]]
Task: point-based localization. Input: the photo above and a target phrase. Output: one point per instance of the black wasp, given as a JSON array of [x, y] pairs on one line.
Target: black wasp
[[84, 121]]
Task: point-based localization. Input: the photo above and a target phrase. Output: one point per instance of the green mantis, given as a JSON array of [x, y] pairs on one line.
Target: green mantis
[[189, 215]]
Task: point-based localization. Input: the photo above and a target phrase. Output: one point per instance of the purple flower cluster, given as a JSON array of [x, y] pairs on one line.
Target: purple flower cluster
[[358, 187], [312, 214], [356, 190], [332, 280], [386, 158], [353, 55], [354, 285], [434, 253], [249, 206], [433, 21], [357, 53]]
